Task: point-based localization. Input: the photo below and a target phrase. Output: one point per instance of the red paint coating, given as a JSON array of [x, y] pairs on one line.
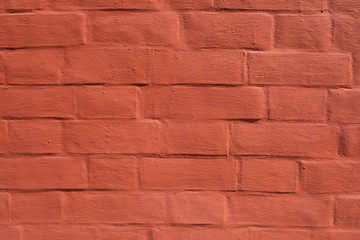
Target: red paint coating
[[179, 119]]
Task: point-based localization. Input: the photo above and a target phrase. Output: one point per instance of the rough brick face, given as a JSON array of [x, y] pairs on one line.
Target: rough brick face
[[201, 67], [303, 32], [304, 104], [41, 30], [204, 103], [179, 119], [308, 69], [281, 211], [228, 30]]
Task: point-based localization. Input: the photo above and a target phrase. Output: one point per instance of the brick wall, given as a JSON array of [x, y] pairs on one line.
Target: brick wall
[[179, 119]]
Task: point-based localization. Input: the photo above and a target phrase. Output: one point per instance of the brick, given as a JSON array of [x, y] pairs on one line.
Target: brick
[[113, 173], [284, 210], [272, 175], [103, 4], [191, 174], [41, 30], [336, 235], [304, 104], [107, 102], [147, 29], [346, 37], [228, 30], [173, 233], [347, 211], [351, 141], [200, 67], [197, 208], [344, 105], [58, 232], [3, 137], [204, 103], [189, 4], [2, 68], [308, 69], [24, 4], [9, 232], [128, 233], [43, 173], [33, 66], [115, 66], [330, 177], [4, 208], [36, 207], [112, 207], [37, 102], [279, 234], [284, 139], [188, 138], [35, 137], [112, 137], [270, 5], [311, 32], [344, 6]]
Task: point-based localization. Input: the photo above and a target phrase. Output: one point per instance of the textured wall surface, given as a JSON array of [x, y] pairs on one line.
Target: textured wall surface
[[180, 119]]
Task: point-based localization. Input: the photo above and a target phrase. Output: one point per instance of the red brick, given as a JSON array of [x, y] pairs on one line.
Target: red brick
[[41, 30], [285, 139], [113, 173], [4, 208], [35, 136], [346, 6], [58, 232], [202, 67], [43, 173], [115, 66], [336, 235], [3, 137], [107, 102], [303, 31], [345, 105], [197, 208], [330, 177], [228, 30], [347, 211], [279, 234], [309, 69], [2, 68], [126, 233], [37, 102], [283, 210], [199, 234], [36, 207], [303, 104], [192, 174], [270, 5], [271, 175], [103, 4], [24, 4], [188, 138], [153, 29], [346, 37], [112, 207], [33, 66], [9, 232], [351, 141], [204, 103], [188, 4], [112, 137]]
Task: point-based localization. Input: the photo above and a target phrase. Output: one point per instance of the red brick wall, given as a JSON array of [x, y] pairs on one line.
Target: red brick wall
[[180, 119]]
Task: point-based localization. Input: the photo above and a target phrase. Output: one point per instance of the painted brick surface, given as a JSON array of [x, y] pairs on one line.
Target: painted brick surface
[[179, 119]]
